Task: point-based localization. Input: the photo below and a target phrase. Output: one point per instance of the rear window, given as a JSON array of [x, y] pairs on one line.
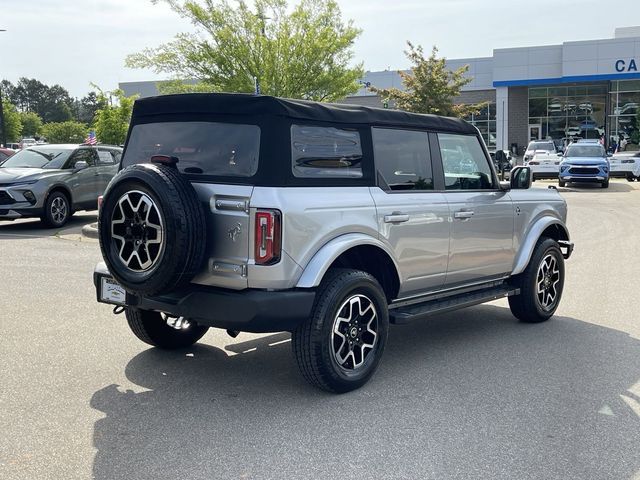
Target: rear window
[[549, 146], [325, 152], [202, 148]]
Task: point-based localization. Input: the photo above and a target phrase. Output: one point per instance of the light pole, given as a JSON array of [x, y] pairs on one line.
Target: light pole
[[4, 133]]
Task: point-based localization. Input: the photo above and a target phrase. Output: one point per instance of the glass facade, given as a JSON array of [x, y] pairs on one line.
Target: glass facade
[[624, 120], [485, 121], [566, 113]]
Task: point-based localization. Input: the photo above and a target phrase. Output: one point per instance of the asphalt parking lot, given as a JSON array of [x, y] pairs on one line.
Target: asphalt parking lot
[[472, 394]]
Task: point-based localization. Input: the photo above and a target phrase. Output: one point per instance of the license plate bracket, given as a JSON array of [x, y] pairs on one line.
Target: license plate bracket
[[111, 291]]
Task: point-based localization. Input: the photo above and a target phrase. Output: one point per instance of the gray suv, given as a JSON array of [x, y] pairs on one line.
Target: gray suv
[[259, 214], [53, 181]]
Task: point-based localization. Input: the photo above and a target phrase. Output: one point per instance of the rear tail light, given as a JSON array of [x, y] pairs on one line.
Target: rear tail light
[[100, 202], [268, 237]]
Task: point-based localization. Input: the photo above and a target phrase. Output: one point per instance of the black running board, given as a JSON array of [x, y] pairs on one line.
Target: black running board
[[402, 315]]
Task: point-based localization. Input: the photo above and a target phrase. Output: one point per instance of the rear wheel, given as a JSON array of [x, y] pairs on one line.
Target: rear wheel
[[57, 210], [540, 284], [339, 347], [162, 331], [630, 177]]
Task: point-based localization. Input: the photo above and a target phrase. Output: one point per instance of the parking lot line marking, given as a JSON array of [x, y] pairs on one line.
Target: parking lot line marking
[[20, 235]]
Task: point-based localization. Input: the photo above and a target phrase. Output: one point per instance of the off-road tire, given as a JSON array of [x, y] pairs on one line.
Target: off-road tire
[[312, 341], [526, 306], [184, 228], [48, 218], [151, 328]]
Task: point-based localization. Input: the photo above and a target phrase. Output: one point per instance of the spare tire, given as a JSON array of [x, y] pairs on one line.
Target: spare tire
[[152, 229]]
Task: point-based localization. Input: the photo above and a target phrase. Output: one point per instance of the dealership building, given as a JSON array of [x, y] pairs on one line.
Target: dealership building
[[576, 89]]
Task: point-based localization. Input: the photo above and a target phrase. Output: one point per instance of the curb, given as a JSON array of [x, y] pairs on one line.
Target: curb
[[90, 230]]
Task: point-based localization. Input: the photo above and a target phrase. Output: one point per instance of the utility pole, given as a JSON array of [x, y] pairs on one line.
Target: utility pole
[[2, 126]]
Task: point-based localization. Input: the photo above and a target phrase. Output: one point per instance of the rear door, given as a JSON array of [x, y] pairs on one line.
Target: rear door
[[481, 214], [412, 216]]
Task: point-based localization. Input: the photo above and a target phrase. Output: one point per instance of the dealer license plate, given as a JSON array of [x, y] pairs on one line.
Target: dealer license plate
[[112, 292]]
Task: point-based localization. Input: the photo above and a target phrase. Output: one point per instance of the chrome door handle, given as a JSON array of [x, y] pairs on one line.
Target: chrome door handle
[[396, 218], [463, 214]]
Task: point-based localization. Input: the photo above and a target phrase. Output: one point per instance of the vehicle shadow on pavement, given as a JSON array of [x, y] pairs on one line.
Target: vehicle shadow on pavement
[[33, 227], [614, 187], [463, 395]]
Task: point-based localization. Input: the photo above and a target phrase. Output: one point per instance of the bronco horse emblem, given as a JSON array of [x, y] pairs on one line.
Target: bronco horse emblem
[[234, 232]]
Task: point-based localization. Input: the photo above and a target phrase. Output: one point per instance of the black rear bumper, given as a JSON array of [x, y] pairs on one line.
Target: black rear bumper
[[257, 311]]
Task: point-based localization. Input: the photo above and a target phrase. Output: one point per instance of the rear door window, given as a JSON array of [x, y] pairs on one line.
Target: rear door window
[[202, 148], [325, 152], [402, 158]]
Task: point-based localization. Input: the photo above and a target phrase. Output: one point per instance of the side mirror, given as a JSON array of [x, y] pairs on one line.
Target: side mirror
[[520, 178], [80, 165]]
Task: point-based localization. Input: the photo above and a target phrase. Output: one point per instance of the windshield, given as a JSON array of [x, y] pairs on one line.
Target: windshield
[[548, 146], [40, 157], [585, 151], [202, 148]]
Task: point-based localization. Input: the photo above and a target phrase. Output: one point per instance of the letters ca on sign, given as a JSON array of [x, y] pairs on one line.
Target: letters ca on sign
[[626, 66]]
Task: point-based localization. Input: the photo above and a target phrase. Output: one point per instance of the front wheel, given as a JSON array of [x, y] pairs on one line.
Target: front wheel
[[540, 284], [561, 183], [605, 184], [162, 331], [339, 347], [57, 210]]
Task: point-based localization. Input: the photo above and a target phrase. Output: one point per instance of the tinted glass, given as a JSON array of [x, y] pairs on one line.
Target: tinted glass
[[38, 157], [325, 152], [82, 155], [585, 151], [105, 157], [402, 158], [464, 162], [549, 146], [205, 148]]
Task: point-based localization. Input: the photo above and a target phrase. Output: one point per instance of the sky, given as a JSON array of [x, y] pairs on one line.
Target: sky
[[78, 42]]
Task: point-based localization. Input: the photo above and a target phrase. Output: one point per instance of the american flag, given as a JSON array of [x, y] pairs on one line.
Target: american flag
[[91, 138]]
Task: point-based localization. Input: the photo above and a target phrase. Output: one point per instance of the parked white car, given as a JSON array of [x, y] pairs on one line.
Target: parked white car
[[539, 146], [625, 165], [544, 165]]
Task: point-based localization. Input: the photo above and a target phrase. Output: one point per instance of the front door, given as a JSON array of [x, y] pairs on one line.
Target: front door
[[481, 214], [535, 132], [84, 183], [412, 217]]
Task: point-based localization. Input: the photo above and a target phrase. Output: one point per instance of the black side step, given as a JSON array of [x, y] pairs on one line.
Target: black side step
[[410, 313]]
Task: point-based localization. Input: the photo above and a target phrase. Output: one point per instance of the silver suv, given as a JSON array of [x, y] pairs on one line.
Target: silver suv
[[53, 181], [258, 214]]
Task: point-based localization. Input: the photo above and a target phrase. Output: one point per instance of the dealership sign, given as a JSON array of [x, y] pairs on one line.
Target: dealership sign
[[626, 65]]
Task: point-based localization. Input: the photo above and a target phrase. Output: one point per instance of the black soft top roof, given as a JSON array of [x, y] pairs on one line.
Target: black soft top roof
[[264, 105]]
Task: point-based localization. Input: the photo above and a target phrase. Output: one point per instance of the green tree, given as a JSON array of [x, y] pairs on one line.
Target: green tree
[[11, 126], [64, 132], [302, 52], [88, 106], [429, 86], [112, 121], [31, 124]]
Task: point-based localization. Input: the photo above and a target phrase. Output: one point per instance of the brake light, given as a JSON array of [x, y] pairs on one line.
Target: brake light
[[100, 202], [268, 237]]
